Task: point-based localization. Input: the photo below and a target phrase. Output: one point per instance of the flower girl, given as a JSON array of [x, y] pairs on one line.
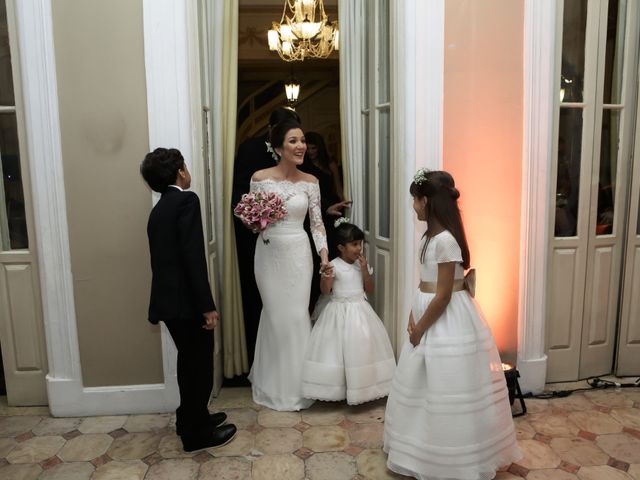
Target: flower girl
[[448, 414], [349, 354]]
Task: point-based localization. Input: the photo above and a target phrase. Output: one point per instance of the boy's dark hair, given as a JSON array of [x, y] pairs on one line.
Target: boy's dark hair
[[347, 232], [442, 205], [160, 168], [283, 113], [279, 131]]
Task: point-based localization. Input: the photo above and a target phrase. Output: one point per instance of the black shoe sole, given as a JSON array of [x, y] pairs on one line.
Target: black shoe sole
[[213, 446]]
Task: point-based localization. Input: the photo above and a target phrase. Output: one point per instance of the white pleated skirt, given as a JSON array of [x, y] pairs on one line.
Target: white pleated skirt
[[448, 414], [349, 355]]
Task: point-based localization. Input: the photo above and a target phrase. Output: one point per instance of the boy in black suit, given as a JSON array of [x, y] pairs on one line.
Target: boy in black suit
[[181, 296]]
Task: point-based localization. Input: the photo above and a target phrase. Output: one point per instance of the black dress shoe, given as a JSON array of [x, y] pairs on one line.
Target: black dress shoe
[[215, 420], [218, 437]]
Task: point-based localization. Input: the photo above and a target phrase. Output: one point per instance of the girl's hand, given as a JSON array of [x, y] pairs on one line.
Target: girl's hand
[[363, 262], [411, 326], [415, 337]]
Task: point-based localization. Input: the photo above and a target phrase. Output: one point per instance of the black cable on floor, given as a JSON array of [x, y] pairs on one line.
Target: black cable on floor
[[596, 383]]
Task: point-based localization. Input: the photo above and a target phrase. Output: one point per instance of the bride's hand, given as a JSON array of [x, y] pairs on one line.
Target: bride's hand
[[324, 259]]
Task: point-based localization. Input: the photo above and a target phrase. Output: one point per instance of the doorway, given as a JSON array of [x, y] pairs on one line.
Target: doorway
[[594, 224]]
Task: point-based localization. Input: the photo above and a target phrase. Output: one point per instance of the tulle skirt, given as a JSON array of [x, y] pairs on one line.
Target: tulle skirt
[[349, 354], [448, 414]]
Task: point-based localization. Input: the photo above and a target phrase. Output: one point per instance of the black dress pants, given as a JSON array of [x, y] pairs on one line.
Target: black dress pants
[[195, 372]]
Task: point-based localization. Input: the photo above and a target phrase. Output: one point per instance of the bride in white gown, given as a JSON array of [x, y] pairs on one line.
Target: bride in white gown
[[283, 270]]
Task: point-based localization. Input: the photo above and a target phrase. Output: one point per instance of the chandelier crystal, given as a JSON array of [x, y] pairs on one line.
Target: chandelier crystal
[[304, 31]]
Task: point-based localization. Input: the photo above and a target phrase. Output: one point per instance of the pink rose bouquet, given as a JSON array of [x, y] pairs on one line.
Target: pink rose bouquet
[[258, 210]]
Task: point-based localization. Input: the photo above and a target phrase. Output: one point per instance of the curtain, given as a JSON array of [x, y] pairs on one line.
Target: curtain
[[236, 361], [352, 77]]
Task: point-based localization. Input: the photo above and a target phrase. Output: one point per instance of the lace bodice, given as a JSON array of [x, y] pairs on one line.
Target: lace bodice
[[299, 197], [442, 248], [347, 280]]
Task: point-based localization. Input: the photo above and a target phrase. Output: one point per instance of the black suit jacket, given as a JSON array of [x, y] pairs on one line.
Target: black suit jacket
[[252, 156], [180, 283]]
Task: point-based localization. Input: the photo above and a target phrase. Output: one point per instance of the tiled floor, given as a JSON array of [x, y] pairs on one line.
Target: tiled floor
[[593, 435]]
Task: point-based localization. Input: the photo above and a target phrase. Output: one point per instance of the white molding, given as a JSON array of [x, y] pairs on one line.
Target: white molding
[[417, 109], [39, 86], [539, 77], [168, 52], [76, 401]]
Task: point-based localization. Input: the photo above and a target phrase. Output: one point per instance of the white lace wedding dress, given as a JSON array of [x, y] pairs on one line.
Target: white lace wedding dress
[[283, 270]]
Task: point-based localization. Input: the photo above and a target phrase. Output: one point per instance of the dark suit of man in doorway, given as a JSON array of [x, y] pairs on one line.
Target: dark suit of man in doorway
[[181, 296]]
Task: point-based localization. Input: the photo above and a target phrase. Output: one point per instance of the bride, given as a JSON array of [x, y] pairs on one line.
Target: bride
[[283, 270]]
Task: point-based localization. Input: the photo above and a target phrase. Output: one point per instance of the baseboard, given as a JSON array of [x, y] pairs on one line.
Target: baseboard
[[533, 374], [68, 398]]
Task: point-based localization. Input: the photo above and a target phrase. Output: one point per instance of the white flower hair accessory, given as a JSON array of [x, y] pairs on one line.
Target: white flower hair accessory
[[340, 221], [421, 176], [272, 152]]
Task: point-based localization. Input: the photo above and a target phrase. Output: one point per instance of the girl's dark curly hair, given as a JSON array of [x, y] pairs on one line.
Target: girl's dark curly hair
[[347, 232], [440, 190]]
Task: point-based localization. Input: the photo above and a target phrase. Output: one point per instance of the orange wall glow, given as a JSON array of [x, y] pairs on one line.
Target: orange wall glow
[[483, 98]]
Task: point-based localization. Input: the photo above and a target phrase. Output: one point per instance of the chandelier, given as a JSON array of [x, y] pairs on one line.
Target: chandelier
[[304, 31]]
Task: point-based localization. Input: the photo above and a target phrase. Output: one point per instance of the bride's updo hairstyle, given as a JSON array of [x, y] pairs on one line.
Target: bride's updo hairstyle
[[442, 205], [346, 232], [279, 131]]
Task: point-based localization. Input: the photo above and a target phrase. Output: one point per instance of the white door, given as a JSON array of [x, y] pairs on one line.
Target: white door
[[628, 361], [207, 169], [377, 159], [21, 328], [596, 112]]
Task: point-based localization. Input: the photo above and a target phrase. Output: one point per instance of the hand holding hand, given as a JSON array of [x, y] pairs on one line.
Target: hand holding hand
[[211, 320], [327, 270], [336, 209]]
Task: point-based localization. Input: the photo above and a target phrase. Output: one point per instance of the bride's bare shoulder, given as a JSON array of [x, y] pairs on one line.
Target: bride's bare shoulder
[[263, 174], [307, 177]]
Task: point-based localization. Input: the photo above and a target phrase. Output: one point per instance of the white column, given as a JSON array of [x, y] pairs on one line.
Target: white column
[[169, 57], [539, 78], [41, 117], [417, 107]]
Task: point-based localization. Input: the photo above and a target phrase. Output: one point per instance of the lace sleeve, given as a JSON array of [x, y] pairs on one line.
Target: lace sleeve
[[255, 186], [315, 218]]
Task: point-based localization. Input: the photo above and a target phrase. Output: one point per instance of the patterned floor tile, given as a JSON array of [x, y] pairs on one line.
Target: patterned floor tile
[[134, 446], [326, 439], [579, 451], [146, 423], [69, 471], [56, 426], [595, 422], [270, 418], [602, 472], [367, 435], [133, 470], [20, 472], [36, 449], [537, 455], [274, 441], [330, 466], [550, 475], [86, 447], [14, 426], [102, 424], [227, 468], [621, 447], [278, 467], [630, 417], [183, 469], [372, 465]]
